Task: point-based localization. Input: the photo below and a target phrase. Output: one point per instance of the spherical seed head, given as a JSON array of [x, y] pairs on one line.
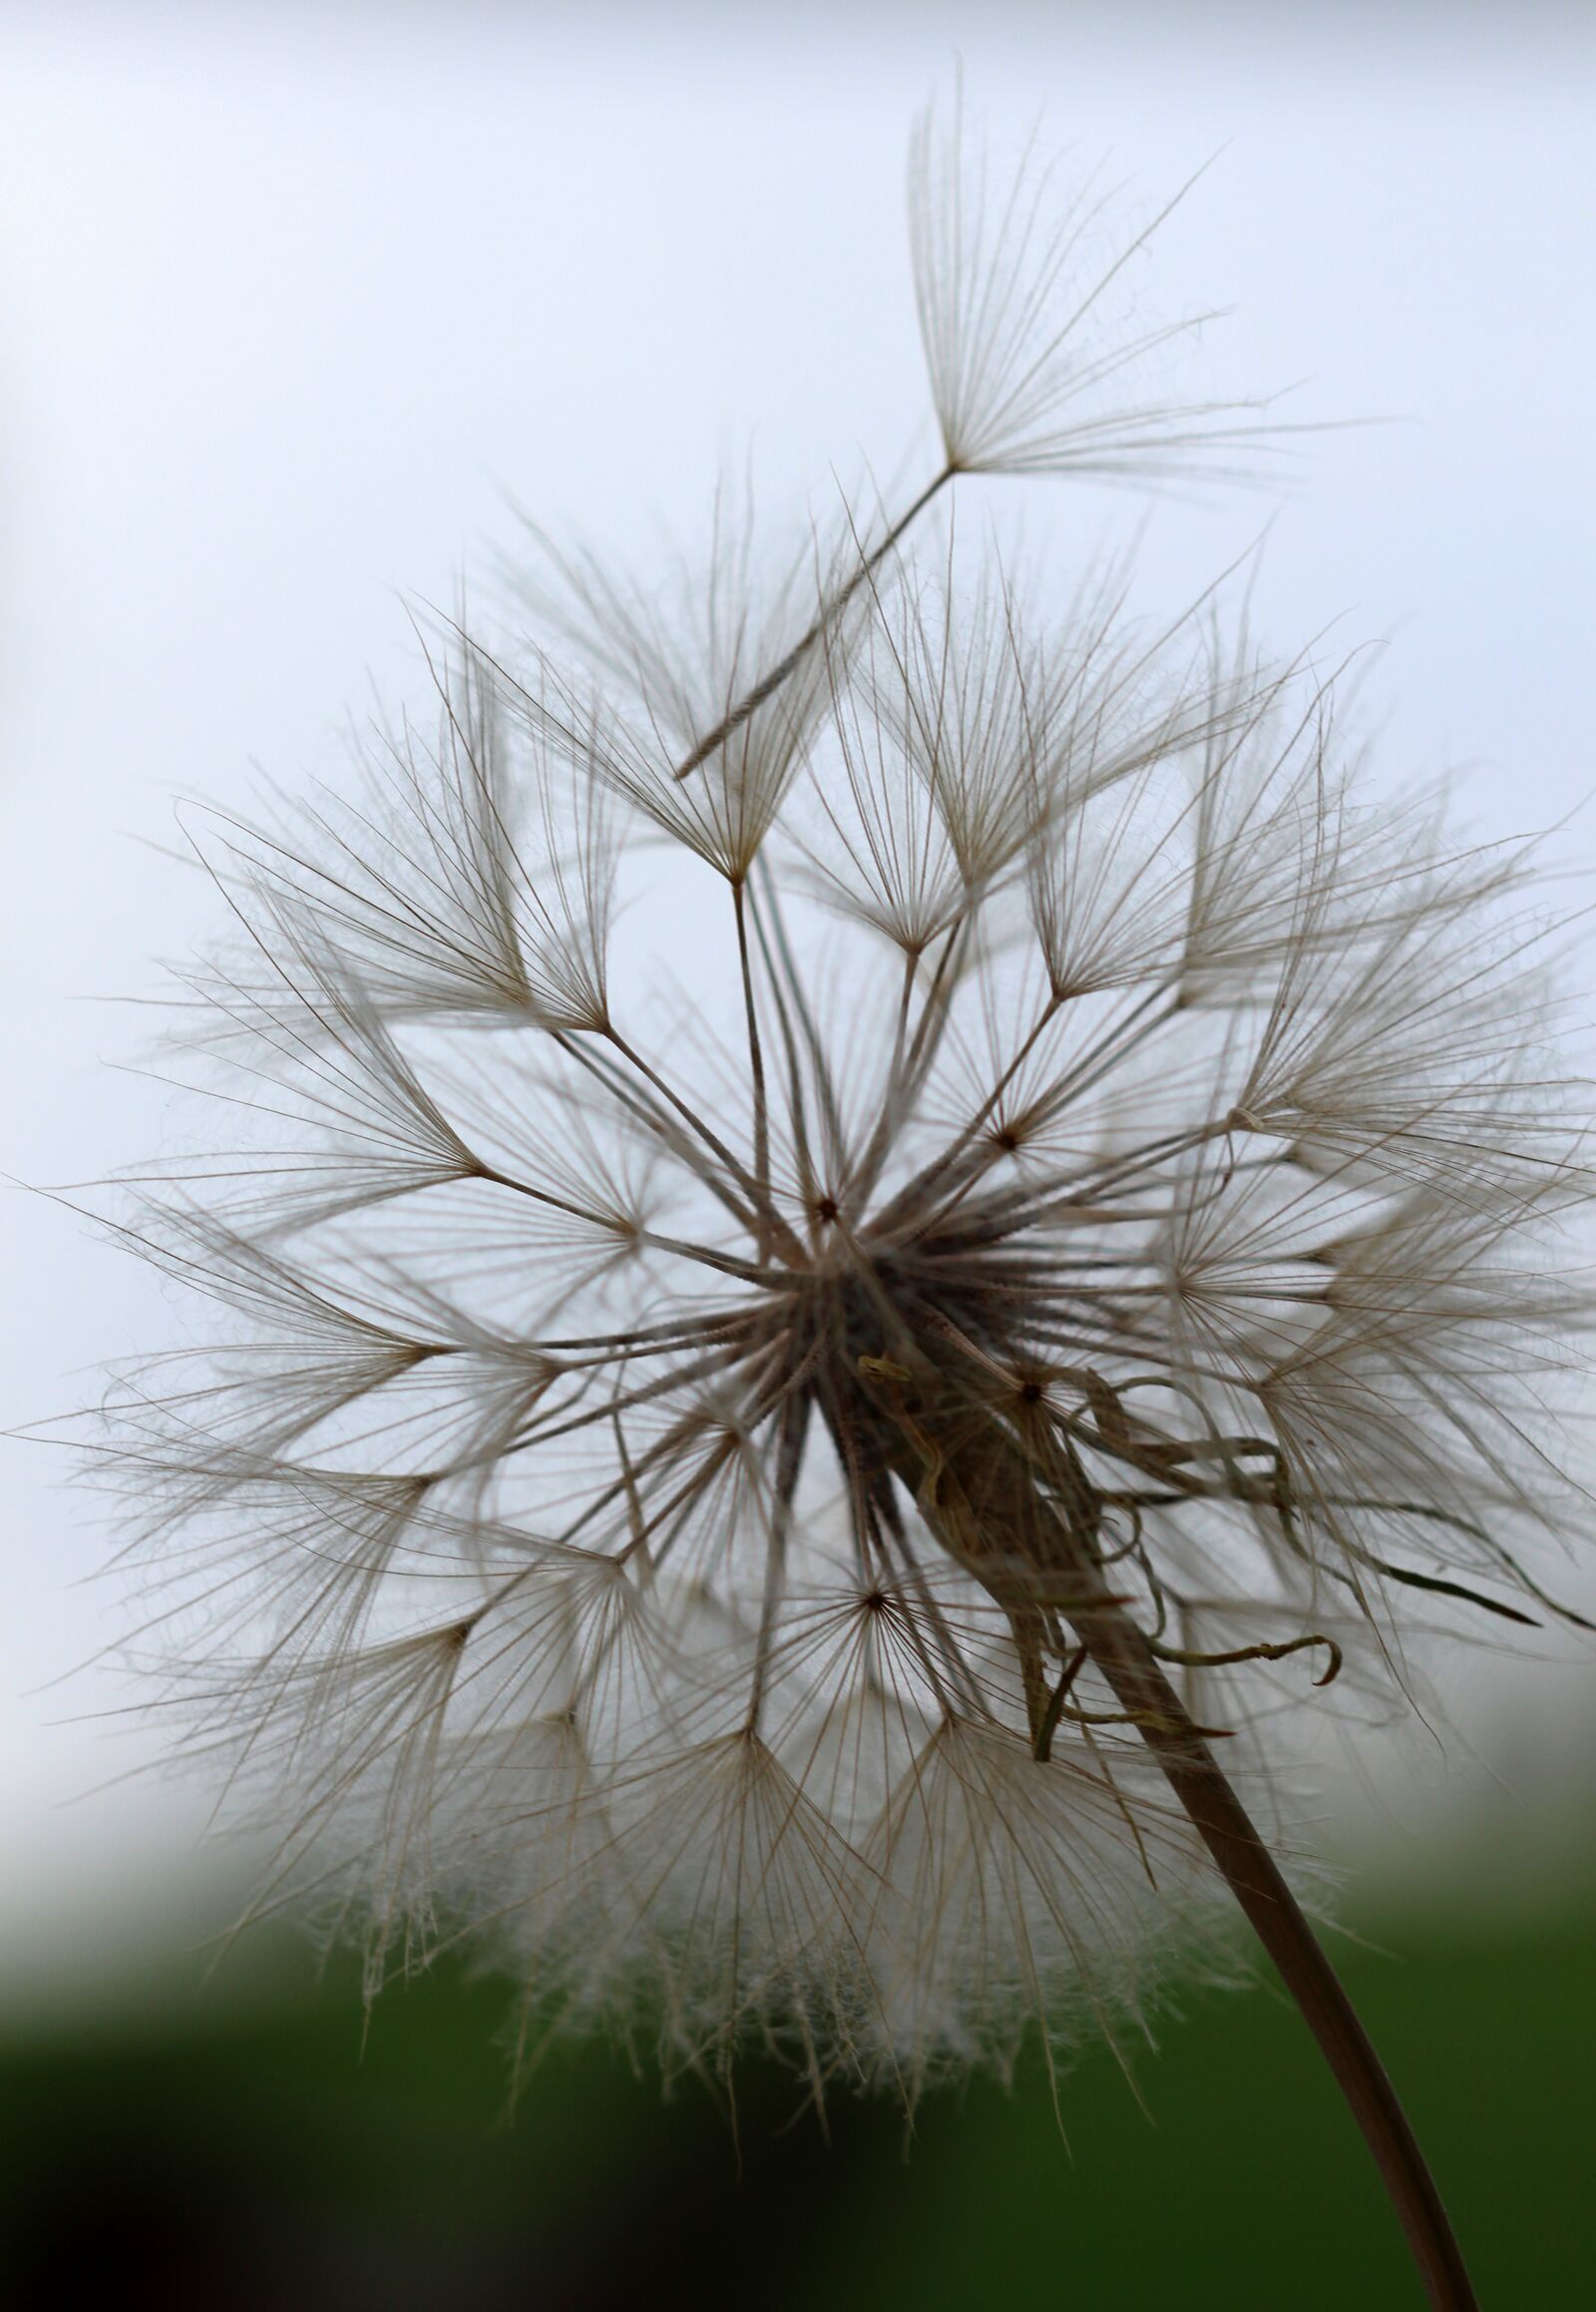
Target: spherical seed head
[[814, 1161]]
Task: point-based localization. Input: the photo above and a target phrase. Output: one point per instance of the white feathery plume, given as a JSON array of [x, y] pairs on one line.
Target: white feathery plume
[[766, 1498], [1039, 360]]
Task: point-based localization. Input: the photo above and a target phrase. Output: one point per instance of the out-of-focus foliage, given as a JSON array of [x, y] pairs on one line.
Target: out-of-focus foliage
[[239, 2149]]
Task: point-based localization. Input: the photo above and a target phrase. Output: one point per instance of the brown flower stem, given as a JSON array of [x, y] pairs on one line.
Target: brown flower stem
[[975, 1480], [1120, 1652]]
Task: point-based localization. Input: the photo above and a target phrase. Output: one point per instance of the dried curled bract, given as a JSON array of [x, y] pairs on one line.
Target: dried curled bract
[[871, 1218]]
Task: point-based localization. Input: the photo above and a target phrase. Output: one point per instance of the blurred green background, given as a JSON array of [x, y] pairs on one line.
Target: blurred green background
[[236, 2144]]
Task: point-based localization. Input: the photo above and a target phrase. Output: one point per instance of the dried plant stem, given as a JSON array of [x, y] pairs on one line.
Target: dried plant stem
[[1026, 1532], [1119, 1651]]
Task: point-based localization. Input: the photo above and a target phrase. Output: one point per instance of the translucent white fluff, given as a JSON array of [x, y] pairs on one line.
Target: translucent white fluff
[[784, 1167]]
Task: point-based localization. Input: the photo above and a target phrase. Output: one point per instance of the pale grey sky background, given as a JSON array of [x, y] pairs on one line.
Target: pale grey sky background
[[289, 303]]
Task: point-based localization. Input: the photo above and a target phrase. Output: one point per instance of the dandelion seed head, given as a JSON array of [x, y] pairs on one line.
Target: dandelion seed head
[[810, 1146]]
